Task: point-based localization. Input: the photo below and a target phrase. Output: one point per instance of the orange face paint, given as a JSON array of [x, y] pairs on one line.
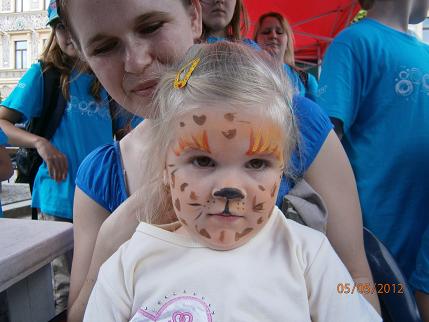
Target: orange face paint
[[264, 143], [196, 142]]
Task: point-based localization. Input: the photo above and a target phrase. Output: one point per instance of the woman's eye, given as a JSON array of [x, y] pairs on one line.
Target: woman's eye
[[257, 164], [103, 49], [203, 162], [148, 29]]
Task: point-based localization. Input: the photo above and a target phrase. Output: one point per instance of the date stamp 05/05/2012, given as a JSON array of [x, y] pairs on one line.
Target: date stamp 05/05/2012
[[368, 288]]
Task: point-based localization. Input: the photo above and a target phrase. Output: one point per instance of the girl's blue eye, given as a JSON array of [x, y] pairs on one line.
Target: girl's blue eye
[[257, 164], [203, 162]]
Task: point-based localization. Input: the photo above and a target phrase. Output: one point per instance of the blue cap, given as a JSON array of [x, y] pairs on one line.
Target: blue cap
[[52, 12]]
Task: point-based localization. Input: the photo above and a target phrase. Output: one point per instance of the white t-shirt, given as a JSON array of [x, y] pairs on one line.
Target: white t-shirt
[[287, 272]]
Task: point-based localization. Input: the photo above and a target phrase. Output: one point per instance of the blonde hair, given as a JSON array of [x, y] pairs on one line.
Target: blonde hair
[[237, 27], [289, 55], [231, 73]]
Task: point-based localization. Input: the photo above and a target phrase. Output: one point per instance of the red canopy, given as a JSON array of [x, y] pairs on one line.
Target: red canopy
[[314, 22]]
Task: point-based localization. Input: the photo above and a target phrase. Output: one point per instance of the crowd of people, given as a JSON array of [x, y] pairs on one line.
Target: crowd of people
[[185, 216]]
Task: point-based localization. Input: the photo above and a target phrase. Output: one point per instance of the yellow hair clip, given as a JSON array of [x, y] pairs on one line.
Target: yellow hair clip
[[180, 83]]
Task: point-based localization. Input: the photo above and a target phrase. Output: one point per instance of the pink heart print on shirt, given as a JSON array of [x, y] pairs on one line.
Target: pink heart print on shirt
[[179, 309]]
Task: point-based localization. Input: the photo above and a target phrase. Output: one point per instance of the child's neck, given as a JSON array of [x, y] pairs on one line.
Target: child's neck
[[218, 34], [394, 14]]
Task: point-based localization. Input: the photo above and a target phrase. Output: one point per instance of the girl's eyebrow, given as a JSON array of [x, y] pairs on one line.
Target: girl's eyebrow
[[138, 21]]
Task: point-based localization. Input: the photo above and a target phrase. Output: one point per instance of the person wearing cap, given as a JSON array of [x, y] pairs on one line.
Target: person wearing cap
[[85, 125]]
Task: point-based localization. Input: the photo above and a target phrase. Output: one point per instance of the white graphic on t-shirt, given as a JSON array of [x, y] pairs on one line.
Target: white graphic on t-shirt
[[182, 308], [88, 107], [410, 81]]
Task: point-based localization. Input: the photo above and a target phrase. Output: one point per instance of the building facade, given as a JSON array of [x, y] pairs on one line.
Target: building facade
[[23, 33]]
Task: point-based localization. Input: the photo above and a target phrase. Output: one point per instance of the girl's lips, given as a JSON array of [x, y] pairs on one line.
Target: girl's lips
[[225, 217]]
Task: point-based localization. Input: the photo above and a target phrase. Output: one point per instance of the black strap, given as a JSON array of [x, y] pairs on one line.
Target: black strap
[[54, 105]]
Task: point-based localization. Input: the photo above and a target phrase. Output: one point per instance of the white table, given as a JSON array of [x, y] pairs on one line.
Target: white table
[[26, 249]]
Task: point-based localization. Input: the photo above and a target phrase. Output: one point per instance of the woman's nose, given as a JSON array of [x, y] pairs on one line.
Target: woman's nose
[[137, 58]]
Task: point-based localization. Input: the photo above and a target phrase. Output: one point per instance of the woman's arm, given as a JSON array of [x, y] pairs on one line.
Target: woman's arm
[[55, 160], [332, 177], [93, 249], [88, 218]]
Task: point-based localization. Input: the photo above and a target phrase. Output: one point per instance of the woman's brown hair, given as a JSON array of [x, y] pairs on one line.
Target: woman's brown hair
[[237, 27], [289, 55]]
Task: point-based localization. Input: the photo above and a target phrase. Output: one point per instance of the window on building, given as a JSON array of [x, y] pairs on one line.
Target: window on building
[[20, 54], [426, 30], [19, 5], [46, 3]]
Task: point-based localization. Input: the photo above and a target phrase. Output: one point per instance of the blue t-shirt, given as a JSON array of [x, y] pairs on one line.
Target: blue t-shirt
[[101, 175], [420, 278], [247, 41], [312, 85], [85, 125], [3, 141], [376, 81]]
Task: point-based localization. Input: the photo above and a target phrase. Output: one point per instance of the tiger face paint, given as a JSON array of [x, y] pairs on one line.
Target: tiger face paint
[[224, 168]]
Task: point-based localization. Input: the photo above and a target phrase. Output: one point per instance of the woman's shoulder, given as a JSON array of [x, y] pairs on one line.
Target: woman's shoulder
[[100, 176]]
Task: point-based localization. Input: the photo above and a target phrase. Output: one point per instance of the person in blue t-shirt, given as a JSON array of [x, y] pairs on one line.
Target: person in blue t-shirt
[[375, 87], [6, 169], [85, 125], [274, 34]]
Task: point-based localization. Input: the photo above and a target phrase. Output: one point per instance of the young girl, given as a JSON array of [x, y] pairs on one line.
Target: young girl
[[85, 125], [274, 34], [225, 20], [127, 43], [374, 85], [221, 145]]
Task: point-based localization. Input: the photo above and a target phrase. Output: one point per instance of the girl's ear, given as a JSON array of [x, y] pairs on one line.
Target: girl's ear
[[196, 19], [165, 178]]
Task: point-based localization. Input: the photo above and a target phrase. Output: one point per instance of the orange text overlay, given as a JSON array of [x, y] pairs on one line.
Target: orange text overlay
[[368, 288]]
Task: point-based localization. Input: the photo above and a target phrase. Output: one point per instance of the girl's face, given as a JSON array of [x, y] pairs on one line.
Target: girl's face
[[128, 43], [64, 40], [217, 14], [224, 170], [272, 37]]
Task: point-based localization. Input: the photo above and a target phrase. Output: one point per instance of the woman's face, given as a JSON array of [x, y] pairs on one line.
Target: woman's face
[[64, 40], [272, 37], [129, 43], [217, 14]]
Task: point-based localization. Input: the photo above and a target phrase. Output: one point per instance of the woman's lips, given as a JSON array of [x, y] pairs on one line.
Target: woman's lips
[[145, 89]]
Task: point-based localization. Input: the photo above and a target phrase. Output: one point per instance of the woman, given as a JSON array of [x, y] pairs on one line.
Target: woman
[[127, 43], [274, 34]]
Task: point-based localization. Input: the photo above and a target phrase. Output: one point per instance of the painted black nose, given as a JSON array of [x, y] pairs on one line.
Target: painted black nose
[[229, 193]]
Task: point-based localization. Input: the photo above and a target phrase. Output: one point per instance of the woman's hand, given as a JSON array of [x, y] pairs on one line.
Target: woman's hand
[[55, 159]]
